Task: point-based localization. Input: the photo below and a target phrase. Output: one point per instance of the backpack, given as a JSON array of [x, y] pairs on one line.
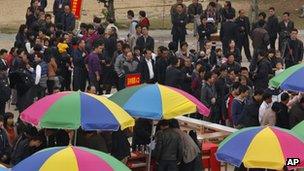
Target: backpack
[[5, 91]]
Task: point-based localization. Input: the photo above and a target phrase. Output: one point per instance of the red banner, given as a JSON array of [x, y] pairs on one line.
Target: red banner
[[132, 80], [76, 8]]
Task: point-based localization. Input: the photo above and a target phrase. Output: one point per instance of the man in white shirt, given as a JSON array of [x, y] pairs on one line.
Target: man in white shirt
[[147, 68], [267, 103]]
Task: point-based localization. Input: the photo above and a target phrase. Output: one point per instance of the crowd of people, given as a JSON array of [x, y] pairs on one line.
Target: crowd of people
[[51, 55]]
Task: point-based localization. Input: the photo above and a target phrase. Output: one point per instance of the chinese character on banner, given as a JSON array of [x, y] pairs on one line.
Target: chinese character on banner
[[76, 8], [132, 80]]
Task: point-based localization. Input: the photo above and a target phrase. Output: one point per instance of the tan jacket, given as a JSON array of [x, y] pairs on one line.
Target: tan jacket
[[269, 118]]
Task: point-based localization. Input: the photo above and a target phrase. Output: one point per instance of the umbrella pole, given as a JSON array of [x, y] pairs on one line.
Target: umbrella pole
[[75, 137], [150, 149]]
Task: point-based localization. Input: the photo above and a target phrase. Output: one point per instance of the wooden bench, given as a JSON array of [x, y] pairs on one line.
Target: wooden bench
[[202, 125]]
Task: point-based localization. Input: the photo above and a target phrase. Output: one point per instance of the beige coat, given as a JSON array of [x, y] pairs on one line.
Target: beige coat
[[269, 118]]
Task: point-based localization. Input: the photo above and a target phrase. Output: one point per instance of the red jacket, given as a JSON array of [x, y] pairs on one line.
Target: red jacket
[[229, 106], [144, 22]]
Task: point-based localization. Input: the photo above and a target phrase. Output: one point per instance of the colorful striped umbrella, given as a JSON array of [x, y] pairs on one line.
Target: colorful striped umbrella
[[298, 130], [155, 101], [3, 168], [70, 159], [290, 79], [70, 110], [261, 147]]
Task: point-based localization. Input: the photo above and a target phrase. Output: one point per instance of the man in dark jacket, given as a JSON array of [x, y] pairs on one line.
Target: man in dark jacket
[[285, 28], [41, 3], [261, 21], [195, 10], [228, 32], [208, 96], [80, 71], [173, 10], [293, 54], [161, 66], [222, 87], [204, 31], [282, 117], [142, 132], [68, 19], [26, 144], [227, 12], [179, 22], [260, 41], [250, 114], [168, 149], [174, 77], [187, 71], [58, 9], [272, 27], [145, 41], [262, 74], [3, 63], [231, 64], [147, 68], [243, 26], [296, 113]]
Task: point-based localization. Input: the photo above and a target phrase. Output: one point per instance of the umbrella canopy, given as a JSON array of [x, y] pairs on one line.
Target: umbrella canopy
[[70, 110], [261, 147], [290, 79], [155, 101], [70, 158], [3, 168], [298, 130]]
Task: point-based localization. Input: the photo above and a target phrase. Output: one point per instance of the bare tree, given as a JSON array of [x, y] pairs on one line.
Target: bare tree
[[254, 9], [109, 5]]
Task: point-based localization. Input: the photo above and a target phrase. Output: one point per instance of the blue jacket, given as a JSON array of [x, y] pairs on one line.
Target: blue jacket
[[236, 110]]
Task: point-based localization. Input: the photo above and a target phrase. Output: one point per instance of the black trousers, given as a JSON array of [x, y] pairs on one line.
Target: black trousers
[[290, 63], [97, 85], [50, 86], [243, 42], [66, 75], [2, 108], [165, 165], [121, 83], [58, 17], [272, 41], [178, 38], [79, 80], [39, 91]]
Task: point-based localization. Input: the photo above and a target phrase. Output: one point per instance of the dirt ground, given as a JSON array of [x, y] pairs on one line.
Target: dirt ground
[[12, 12]]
